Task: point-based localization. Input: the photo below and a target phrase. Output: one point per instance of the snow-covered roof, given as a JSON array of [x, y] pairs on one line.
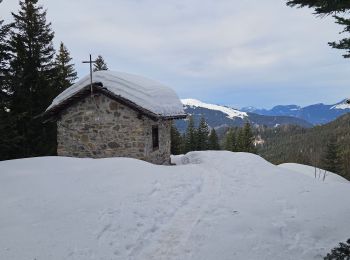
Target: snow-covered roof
[[151, 96]]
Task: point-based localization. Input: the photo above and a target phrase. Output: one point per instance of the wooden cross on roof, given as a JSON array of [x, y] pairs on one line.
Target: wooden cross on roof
[[90, 62]]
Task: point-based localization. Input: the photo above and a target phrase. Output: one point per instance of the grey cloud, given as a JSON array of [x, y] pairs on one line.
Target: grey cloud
[[206, 48]]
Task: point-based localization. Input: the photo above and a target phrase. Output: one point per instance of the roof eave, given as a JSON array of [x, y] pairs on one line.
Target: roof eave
[[52, 113]]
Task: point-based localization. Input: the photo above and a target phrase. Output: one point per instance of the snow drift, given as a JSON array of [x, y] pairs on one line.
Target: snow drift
[[211, 205]]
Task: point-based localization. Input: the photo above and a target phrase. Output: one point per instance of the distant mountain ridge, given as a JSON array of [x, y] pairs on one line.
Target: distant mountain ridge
[[222, 116], [317, 114]]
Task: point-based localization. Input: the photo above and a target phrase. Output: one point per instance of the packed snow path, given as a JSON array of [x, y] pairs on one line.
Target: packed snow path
[[172, 241], [212, 205]]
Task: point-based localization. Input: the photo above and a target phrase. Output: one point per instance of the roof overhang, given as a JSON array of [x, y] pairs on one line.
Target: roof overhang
[[53, 113]]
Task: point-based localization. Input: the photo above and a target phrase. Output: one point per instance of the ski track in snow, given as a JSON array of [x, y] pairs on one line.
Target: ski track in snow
[[170, 231], [173, 237]]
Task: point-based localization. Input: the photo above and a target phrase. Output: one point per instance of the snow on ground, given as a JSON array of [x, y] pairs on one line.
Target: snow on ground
[[211, 205], [321, 174], [230, 112]]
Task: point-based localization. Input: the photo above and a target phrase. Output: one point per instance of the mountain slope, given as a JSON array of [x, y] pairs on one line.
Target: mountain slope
[[315, 114], [296, 144], [220, 116], [213, 205]]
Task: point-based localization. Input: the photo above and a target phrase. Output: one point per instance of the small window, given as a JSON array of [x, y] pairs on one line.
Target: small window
[[155, 137]]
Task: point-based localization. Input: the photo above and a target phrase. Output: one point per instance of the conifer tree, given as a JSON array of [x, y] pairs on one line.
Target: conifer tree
[[176, 141], [248, 139], [190, 136], [331, 159], [183, 143], [9, 137], [100, 64], [240, 141], [230, 141], [213, 142], [339, 9], [30, 78], [4, 56], [342, 252], [65, 74], [202, 135], [345, 160]]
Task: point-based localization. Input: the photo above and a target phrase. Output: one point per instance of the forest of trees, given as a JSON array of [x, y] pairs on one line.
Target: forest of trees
[[32, 73], [326, 146], [201, 138]]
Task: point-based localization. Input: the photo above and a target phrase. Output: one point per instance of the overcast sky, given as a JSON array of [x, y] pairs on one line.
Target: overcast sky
[[240, 53]]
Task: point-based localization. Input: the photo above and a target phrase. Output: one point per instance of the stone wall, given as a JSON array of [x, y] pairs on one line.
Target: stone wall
[[100, 127]]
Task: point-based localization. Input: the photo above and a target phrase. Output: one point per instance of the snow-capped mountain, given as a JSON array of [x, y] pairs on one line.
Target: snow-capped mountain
[[342, 105], [230, 112], [220, 116], [315, 114]]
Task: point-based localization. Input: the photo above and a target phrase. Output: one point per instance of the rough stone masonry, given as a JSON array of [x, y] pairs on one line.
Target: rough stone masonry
[[100, 127]]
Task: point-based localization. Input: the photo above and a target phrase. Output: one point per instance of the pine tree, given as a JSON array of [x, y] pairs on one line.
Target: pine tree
[[331, 160], [240, 141], [202, 135], [342, 252], [339, 9], [248, 139], [345, 160], [65, 74], [30, 78], [100, 64], [176, 141], [4, 57], [230, 141], [213, 142], [9, 137], [190, 136]]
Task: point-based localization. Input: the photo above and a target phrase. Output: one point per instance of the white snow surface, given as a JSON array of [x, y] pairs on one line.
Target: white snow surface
[[211, 205], [341, 106], [310, 171], [230, 112], [149, 94]]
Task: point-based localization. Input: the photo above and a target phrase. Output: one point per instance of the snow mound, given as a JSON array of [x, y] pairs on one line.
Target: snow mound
[[230, 112], [212, 205], [307, 170], [144, 92]]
